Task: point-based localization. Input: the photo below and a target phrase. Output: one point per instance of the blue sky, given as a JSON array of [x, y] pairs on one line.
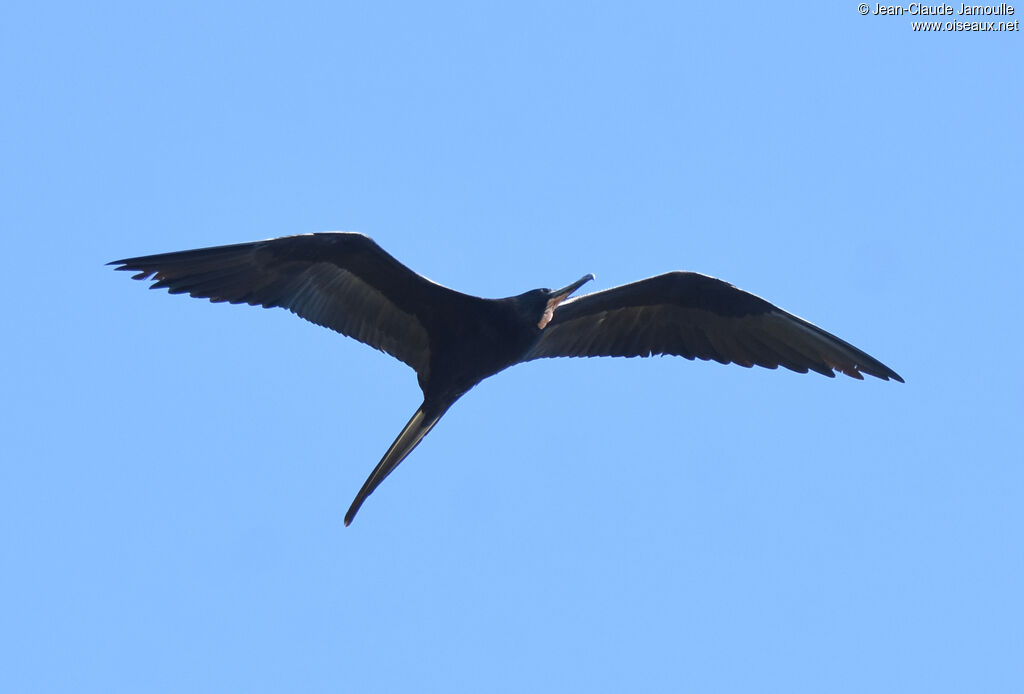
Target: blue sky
[[175, 473]]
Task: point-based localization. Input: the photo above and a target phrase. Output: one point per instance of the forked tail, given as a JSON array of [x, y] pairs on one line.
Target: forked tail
[[418, 427]]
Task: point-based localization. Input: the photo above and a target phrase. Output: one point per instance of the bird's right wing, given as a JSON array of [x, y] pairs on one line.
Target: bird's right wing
[[696, 316], [343, 281]]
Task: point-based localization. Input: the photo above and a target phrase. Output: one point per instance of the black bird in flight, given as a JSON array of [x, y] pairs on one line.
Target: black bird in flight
[[346, 282]]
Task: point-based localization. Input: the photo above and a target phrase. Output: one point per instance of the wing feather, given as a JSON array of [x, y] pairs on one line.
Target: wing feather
[[343, 281], [696, 316]]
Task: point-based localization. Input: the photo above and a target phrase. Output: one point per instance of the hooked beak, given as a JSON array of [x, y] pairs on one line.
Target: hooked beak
[[563, 293], [558, 297]]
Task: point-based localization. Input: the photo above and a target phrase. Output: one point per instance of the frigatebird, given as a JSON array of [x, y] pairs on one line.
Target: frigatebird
[[346, 282]]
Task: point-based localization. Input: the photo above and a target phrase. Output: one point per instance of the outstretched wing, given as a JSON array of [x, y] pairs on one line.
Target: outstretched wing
[[342, 281], [696, 316]]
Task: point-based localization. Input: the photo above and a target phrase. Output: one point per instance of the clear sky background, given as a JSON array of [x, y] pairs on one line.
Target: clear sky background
[[174, 473]]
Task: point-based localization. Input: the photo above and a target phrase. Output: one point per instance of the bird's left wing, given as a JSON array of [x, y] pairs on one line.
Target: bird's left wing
[[343, 281], [696, 316]]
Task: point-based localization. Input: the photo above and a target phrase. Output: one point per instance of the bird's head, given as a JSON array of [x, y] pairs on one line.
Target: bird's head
[[544, 301]]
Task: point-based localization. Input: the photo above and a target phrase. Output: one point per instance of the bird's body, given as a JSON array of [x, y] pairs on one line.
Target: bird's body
[[346, 282]]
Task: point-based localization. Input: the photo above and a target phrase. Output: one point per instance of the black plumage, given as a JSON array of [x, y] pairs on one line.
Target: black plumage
[[346, 282]]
